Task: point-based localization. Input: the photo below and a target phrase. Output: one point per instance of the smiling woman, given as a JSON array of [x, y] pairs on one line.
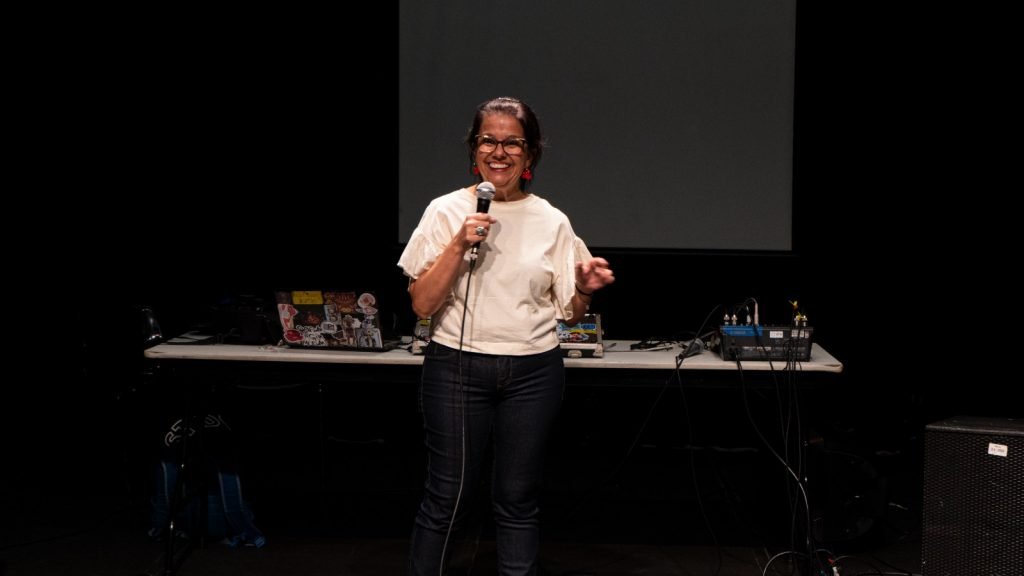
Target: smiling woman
[[499, 147], [493, 370]]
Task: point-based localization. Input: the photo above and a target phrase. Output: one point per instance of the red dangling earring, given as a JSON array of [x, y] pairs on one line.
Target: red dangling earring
[[476, 171], [527, 175]]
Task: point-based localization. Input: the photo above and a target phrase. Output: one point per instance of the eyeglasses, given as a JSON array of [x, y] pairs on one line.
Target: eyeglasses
[[511, 145]]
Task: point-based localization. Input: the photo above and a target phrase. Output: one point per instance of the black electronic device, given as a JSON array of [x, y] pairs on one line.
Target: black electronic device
[[973, 496], [756, 342]]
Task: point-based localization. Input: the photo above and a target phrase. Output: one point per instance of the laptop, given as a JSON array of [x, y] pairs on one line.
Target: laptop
[[331, 320], [584, 340]]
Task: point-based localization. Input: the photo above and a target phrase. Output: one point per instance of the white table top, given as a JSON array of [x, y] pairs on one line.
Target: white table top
[[617, 355]]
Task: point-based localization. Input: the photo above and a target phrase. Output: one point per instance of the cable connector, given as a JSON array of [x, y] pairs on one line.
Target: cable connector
[[695, 347]]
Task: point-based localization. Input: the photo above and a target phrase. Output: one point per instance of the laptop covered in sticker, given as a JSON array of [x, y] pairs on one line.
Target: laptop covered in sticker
[[339, 320]]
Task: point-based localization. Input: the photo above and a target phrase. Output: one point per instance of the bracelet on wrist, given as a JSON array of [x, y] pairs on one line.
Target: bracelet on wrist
[[582, 292]]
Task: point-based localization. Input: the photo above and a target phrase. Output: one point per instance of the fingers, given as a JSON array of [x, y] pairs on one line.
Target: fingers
[[599, 266], [476, 227], [603, 273], [594, 274], [479, 219]]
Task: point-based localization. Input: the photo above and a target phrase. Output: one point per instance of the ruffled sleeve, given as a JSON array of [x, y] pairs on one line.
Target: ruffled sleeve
[[565, 284], [426, 244]]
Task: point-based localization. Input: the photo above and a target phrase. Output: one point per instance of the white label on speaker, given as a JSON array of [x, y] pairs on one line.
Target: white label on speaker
[[997, 449]]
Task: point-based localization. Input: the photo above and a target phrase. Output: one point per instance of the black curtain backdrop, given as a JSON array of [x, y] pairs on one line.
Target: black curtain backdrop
[[204, 156]]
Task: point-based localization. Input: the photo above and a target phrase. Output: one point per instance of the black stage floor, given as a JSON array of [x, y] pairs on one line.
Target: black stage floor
[[95, 530], [116, 545], [334, 479]]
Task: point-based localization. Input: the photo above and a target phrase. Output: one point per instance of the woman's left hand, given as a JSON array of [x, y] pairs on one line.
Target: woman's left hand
[[593, 275]]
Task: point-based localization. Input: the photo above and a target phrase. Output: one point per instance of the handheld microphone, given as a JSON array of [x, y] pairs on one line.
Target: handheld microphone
[[484, 195]]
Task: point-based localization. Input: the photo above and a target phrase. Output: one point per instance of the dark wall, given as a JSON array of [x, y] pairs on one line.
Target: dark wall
[[244, 154], [250, 170]]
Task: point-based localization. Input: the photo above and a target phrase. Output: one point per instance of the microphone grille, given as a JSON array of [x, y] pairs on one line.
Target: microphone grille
[[485, 191]]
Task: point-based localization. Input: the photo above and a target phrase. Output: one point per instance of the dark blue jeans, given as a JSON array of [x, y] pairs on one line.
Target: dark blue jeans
[[512, 400]]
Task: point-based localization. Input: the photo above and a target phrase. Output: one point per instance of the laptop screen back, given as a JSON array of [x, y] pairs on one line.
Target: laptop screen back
[[333, 320]]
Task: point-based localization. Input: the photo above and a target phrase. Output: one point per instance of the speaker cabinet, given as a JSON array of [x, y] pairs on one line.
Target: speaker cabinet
[[973, 510]]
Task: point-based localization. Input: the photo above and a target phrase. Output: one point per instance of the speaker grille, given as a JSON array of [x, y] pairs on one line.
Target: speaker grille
[[973, 520]]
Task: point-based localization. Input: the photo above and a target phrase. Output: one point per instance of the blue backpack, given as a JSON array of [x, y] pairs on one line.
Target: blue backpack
[[228, 516]]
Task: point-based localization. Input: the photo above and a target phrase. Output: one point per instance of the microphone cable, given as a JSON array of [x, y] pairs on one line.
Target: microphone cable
[[459, 401], [797, 481], [696, 344], [484, 194]]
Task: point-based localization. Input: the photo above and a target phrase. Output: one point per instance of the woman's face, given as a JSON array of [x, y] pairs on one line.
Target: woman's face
[[500, 166]]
